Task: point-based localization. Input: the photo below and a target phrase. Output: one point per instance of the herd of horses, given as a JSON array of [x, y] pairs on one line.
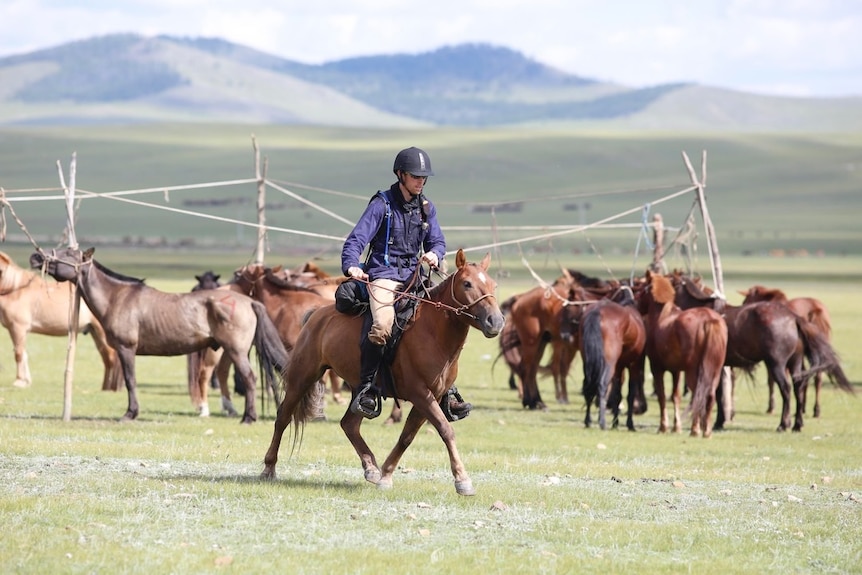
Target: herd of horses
[[681, 327], [289, 318], [296, 343]]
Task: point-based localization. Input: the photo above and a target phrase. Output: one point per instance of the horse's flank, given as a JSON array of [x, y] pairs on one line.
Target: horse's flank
[[30, 303]]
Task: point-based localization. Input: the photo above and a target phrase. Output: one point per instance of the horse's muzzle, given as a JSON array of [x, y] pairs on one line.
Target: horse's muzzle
[[493, 324]]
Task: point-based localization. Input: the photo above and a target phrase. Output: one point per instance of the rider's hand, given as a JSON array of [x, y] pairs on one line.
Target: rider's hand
[[431, 258], [357, 273]]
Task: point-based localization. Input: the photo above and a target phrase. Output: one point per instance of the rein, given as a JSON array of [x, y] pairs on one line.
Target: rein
[[461, 310]]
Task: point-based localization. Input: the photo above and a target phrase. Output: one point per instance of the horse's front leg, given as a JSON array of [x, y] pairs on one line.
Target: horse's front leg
[[429, 409], [127, 361], [350, 424], [19, 343]]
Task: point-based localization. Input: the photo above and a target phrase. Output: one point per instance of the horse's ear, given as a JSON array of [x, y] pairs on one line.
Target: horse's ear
[[277, 268], [460, 259], [567, 274], [486, 262], [88, 255]]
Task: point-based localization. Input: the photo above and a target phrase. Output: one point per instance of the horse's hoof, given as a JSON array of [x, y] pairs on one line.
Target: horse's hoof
[[465, 487], [268, 473], [204, 411], [385, 484], [246, 420], [20, 383], [372, 475]]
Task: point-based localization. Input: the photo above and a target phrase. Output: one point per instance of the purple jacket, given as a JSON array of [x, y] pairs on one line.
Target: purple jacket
[[413, 226]]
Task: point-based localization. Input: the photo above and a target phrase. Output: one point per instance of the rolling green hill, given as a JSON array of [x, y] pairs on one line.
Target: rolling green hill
[[127, 78], [768, 194]]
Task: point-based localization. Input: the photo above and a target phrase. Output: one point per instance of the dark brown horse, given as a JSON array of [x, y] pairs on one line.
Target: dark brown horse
[[769, 332], [31, 304], [692, 342], [612, 340], [809, 308], [140, 320], [424, 367]]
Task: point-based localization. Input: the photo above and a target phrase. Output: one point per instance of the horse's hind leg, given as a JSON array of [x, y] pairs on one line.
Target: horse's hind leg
[[246, 373], [127, 360], [350, 424]]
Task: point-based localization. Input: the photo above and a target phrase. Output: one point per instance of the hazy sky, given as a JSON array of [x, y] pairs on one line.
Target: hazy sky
[[786, 47]]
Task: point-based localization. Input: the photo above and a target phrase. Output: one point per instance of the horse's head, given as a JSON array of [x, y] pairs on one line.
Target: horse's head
[[63, 265], [473, 290], [207, 280], [247, 276]]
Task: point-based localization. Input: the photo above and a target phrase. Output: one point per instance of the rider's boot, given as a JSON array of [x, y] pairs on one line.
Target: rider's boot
[[367, 401], [453, 405]]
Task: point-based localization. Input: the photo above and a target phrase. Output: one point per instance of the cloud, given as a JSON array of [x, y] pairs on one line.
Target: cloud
[[791, 46]]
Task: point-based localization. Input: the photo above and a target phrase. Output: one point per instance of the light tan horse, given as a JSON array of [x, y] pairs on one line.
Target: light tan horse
[[424, 367], [30, 303]]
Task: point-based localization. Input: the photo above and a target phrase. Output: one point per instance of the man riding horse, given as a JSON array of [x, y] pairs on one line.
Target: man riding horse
[[400, 227]]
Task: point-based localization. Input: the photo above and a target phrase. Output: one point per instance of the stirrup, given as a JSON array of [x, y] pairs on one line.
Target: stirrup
[[357, 407], [460, 410]]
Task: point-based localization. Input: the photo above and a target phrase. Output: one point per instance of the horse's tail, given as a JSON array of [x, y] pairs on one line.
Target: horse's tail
[[821, 356], [596, 368], [272, 356], [712, 346]]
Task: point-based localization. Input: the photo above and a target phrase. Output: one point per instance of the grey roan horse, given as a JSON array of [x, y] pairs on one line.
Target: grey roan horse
[[141, 320]]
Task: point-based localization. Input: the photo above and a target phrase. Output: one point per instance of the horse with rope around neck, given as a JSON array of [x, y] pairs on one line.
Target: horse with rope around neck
[[423, 368]]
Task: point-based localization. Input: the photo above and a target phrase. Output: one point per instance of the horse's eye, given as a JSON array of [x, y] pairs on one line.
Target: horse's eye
[[467, 284]]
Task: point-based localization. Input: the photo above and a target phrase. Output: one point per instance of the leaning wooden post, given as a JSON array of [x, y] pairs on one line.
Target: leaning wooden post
[[75, 310], [657, 265], [260, 176], [717, 274]]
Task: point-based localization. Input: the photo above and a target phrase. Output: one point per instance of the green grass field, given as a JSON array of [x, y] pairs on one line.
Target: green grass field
[[765, 192], [174, 493]]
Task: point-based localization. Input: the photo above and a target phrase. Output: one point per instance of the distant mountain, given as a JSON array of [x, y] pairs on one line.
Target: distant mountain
[[130, 78]]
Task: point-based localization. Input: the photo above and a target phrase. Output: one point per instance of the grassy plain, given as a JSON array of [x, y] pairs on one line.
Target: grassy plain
[[174, 493], [765, 192]]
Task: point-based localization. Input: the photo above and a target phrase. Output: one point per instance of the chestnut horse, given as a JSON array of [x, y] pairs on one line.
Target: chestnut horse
[[612, 339], [771, 333], [141, 320], [692, 342], [424, 367], [30, 304], [287, 303], [809, 308]]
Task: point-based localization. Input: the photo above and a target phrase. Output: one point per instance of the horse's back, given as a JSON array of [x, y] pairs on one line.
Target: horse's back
[[328, 339], [41, 306]]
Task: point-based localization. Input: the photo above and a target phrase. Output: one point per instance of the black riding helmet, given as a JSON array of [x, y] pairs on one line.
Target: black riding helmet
[[414, 161]]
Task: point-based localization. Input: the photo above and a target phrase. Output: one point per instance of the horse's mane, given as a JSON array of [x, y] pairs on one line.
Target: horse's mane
[[768, 294], [117, 275], [662, 289], [284, 284]]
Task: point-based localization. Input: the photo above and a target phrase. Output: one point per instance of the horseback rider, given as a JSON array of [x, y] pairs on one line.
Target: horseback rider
[[400, 226]]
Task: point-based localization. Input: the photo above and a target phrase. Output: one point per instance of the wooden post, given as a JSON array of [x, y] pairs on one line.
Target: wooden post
[[75, 309], [260, 176], [726, 384], [657, 265]]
